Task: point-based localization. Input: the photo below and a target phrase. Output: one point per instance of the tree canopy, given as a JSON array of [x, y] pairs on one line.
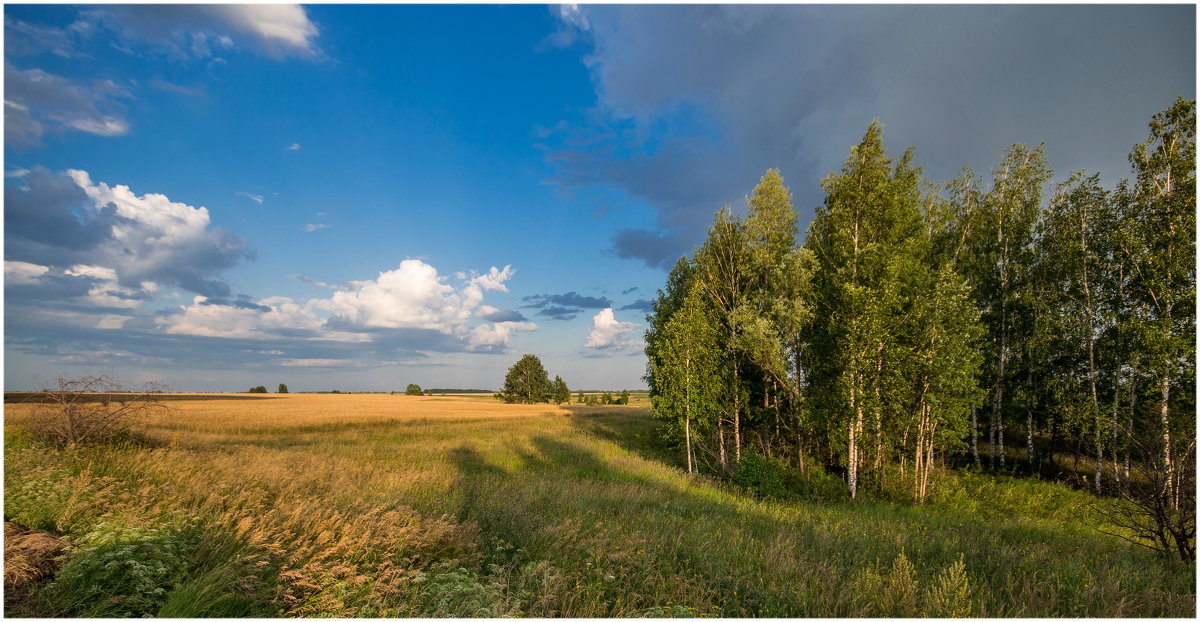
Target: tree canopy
[[916, 322], [527, 382]]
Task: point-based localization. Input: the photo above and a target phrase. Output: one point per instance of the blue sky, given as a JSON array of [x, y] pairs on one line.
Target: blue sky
[[359, 197]]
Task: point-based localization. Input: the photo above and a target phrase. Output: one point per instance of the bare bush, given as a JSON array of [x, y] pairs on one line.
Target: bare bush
[[1159, 503], [93, 409]]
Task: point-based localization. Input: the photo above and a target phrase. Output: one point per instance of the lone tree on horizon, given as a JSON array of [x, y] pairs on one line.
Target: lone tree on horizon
[[527, 382], [413, 389]]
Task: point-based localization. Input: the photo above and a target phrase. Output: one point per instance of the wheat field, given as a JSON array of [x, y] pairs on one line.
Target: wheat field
[[388, 505]]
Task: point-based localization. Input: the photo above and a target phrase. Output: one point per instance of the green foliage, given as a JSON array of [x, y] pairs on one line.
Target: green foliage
[[951, 593], [561, 394], [761, 474], [461, 593], [413, 389], [259, 389], [898, 593], [282, 388], [36, 496], [527, 382], [122, 571]]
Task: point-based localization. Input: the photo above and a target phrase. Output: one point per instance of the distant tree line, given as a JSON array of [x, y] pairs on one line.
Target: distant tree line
[[433, 391], [261, 389], [983, 322]]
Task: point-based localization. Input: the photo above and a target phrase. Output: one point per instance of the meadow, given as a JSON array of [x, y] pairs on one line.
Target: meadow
[[381, 505]]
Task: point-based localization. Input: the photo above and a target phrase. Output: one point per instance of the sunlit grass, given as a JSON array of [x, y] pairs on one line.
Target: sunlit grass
[[373, 505]]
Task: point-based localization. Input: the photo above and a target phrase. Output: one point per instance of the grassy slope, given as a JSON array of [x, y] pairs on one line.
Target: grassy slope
[[379, 505]]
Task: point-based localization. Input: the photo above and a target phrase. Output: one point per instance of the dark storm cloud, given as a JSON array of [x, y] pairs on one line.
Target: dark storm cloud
[[559, 313], [503, 316], [569, 299], [695, 102], [640, 305], [656, 248], [564, 306], [42, 210]]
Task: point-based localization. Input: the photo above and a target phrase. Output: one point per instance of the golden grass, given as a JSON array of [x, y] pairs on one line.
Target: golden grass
[[368, 505]]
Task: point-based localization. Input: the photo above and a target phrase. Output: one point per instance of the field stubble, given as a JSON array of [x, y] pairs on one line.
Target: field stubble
[[377, 505]]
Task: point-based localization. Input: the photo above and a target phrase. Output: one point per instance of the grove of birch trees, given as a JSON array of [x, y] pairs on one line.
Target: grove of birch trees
[[992, 322]]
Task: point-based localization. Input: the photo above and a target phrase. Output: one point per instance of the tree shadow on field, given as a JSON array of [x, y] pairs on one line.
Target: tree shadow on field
[[631, 428]]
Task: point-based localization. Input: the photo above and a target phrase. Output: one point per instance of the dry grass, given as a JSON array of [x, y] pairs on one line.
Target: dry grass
[[30, 555]]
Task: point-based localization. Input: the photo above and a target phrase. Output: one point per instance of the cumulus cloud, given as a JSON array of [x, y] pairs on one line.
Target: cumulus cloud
[[36, 103], [694, 102], [488, 336], [414, 296], [408, 305], [607, 332], [132, 243]]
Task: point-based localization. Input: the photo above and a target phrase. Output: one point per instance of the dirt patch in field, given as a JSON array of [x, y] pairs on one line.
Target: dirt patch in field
[[31, 556]]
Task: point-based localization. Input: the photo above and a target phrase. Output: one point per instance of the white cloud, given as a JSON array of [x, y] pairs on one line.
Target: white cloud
[[278, 30], [112, 322], [36, 102], [107, 292], [414, 296], [309, 228], [606, 332], [497, 334], [22, 272], [99, 273], [257, 198], [281, 27], [269, 318], [574, 15], [411, 297], [156, 239], [340, 363], [293, 147]]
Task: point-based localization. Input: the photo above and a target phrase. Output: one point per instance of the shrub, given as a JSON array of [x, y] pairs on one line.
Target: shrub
[[951, 593], [122, 572], [92, 410], [761, 474]]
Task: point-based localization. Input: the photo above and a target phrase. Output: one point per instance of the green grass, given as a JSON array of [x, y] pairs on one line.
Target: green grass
[[580, 515]]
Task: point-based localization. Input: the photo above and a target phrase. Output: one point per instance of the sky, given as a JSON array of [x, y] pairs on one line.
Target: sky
[[344, 197]]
